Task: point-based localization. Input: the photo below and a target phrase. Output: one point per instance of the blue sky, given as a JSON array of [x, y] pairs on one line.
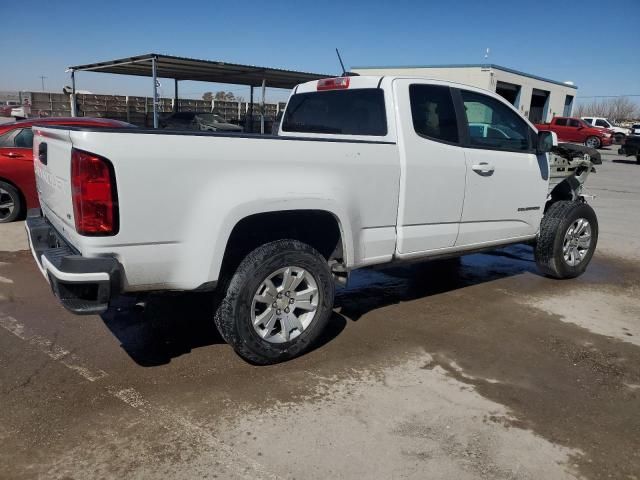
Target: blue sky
[[584, 41]]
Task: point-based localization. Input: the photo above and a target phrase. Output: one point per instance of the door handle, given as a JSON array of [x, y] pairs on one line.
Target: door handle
[[13, 155], [483, 168]]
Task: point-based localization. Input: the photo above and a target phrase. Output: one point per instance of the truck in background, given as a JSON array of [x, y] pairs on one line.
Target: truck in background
[[575, 130], [619, 133]]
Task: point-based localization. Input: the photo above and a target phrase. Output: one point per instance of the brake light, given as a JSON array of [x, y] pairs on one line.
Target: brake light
[[333, 83], [93, 190]]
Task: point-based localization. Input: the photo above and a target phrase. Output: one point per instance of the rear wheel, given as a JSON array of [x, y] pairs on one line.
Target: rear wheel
[[638, 159], [567, 240], [592, 142], [10, 203], [619, 137], [277, 303]]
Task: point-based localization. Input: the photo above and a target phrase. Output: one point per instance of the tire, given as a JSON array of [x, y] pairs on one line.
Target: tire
[[619, 137], [273, 341], [562, 224], [638, 159], [593, 142], [10, 203]]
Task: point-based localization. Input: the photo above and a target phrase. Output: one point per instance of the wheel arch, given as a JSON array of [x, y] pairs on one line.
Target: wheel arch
[[320, 226]]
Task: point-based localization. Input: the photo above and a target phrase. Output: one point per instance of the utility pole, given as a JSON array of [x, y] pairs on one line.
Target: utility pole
[[42, 77]]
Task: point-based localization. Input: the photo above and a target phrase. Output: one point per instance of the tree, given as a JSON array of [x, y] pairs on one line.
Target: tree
[[228, 96], [615, 109], [207, 96]]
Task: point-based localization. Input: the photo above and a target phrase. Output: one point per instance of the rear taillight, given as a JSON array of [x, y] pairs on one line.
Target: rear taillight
[[333, 83], [93, 190]]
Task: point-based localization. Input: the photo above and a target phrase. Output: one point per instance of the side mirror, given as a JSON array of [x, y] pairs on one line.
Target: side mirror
[[546, 141]]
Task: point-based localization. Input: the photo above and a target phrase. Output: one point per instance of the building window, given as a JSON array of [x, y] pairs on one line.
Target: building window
[[568, 106]]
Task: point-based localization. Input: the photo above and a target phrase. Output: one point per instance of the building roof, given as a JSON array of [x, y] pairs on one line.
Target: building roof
[[182, 68], [470, 65]]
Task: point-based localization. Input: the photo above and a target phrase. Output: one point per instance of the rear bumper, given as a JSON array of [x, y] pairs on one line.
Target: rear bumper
[[83, 285]]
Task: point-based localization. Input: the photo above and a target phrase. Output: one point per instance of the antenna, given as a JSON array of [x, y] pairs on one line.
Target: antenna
[[341, 64]]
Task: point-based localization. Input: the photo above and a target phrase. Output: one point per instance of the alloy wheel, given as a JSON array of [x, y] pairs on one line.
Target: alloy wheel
[[285, 304]]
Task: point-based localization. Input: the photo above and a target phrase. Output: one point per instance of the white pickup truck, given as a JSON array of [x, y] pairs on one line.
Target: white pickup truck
[[619, 132], [363, 171]]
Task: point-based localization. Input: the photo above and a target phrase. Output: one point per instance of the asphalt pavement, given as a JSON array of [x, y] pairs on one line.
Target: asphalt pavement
[[476, 369]]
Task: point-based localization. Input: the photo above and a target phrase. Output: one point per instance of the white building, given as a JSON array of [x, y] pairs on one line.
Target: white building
[[537, 98]]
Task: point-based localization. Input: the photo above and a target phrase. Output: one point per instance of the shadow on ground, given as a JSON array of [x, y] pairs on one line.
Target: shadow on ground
[[375, 288], [627, 162], [163, 327]]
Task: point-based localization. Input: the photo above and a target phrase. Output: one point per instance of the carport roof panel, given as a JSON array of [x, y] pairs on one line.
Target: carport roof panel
[[181, 68]]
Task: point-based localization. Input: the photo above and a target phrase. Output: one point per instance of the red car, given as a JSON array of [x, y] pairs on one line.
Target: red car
[[575, 130], [17, 179]]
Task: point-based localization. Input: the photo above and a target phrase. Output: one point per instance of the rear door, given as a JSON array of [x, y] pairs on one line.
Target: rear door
[[17, 144], [433, 167], [16, 162], [506, 182]]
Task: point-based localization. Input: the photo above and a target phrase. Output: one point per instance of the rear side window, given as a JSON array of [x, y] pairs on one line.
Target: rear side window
[[6, 139], [24, 139], [345, 112], [493, 125], [602, 123], [588, 120], [433, 113]]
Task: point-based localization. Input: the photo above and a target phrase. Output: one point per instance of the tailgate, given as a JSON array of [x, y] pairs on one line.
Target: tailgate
[[52, 164]]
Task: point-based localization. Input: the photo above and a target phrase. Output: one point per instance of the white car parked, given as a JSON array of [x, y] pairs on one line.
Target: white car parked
[[363, 171], [619, 132]]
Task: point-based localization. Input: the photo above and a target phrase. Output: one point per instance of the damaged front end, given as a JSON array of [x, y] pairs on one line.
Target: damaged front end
[[569, 167]]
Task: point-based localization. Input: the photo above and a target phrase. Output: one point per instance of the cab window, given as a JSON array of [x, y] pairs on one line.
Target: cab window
[[346, 112], [493, 125], [575, 123], [6, 139], [433, 113]]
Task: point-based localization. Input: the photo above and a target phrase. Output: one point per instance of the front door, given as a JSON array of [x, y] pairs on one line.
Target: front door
[[507, 182]]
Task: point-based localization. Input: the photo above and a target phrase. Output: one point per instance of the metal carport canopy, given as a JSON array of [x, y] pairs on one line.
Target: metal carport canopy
[[181, 68]]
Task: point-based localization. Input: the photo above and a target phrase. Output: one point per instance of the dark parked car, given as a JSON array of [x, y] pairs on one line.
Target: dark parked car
[[631, 147], [207, 122]]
